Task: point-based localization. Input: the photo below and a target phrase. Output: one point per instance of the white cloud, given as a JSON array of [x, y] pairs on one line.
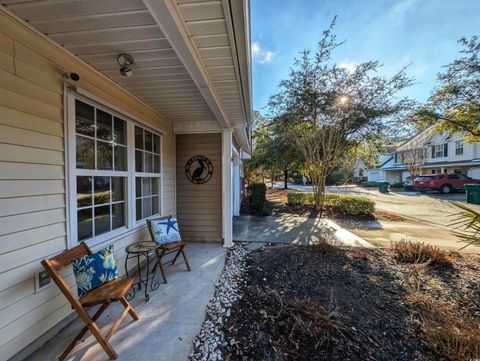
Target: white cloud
[[350, 66], [260, 55]]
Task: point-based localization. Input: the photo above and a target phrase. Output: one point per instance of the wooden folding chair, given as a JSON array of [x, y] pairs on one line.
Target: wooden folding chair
[[166, 249], [104, 295]]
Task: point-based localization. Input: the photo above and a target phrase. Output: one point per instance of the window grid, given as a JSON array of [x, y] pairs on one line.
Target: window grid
[[459, 147], [124, 143]]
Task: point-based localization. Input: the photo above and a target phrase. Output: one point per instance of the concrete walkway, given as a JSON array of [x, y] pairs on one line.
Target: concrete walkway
[[168, 323], [293, 229]]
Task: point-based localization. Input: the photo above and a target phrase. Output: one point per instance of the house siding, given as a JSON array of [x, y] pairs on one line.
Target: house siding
[[32, 176], [199, 205]]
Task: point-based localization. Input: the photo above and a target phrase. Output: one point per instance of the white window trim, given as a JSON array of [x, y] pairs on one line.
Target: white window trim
[[71, 172], [457, 147]]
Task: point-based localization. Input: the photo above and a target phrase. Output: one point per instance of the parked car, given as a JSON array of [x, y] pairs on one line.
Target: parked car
[[445, 183]]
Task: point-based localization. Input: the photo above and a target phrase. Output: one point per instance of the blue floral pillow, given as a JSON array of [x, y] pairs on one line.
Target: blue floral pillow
[[165, 231], [94, 270]]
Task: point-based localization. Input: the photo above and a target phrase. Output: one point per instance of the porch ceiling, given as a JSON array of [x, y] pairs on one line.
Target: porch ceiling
[[97, 31]]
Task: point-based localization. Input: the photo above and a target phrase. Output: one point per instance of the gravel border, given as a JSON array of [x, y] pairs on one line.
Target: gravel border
[[208, 344]]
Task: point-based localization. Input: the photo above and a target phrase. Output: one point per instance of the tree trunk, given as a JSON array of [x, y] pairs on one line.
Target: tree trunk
[[285, 178]]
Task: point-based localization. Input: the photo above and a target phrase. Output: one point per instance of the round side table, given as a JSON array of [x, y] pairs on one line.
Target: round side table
[[141, 250]]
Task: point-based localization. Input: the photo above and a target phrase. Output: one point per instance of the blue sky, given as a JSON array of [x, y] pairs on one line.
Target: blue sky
[[422, 33]]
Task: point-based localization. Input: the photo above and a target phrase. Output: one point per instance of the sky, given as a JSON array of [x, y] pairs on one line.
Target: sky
[[422, 33]]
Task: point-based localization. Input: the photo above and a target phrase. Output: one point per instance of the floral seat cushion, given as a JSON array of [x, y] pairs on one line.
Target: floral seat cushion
[[94, 270], [165, 231]]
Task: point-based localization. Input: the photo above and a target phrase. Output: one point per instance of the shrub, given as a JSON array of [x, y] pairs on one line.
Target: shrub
[[356, 205], [369, 184], [351, 205], [257, 193], [300, 198], [418, 252], [397, 185]]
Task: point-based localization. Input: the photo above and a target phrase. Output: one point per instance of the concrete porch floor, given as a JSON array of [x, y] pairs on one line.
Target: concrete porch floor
[[168, 322]]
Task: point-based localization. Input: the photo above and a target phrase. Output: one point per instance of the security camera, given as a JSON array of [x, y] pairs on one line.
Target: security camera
[[73, 76]]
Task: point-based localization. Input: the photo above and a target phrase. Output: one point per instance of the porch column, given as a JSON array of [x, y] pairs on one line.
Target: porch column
[[227, 225], [236, 183]]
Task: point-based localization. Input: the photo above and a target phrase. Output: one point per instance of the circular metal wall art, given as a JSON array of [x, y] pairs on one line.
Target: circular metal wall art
[[199, 169]]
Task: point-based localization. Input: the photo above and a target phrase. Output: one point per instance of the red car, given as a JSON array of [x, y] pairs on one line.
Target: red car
[[445, 183]]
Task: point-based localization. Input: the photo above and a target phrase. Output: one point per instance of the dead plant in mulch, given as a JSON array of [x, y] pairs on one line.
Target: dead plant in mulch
[[451, 335], [418, 253], [302, 326]]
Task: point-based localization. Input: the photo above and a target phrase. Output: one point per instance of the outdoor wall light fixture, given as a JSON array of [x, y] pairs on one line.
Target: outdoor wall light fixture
[[125, 60]]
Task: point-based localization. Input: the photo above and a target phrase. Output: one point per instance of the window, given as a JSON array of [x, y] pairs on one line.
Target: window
[[440, 150], [147, 173], [101, 144], [453, 176], [459, 147]]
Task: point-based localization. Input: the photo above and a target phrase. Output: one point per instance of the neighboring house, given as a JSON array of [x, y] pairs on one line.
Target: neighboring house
[[444, 154], [87, 153], [360, 171]]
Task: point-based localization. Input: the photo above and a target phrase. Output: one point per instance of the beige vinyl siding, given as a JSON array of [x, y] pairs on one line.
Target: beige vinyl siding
[[199, 206], [32, 176]]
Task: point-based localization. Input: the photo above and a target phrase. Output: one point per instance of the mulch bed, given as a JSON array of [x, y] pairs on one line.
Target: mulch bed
[[327, 303]]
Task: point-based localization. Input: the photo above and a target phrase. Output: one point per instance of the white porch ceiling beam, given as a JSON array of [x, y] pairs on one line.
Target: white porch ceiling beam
[[165, 14]]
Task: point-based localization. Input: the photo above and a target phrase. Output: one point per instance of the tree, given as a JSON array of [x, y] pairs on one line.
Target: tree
[[332, 109], [454, 105], [273, 151], [413, 156]]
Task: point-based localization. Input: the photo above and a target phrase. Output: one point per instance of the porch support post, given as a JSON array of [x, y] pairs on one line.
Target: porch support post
[[227, 224], [236, 183]]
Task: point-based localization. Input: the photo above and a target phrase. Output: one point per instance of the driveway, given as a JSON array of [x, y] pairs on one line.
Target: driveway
[[427, 217], [431, 207]]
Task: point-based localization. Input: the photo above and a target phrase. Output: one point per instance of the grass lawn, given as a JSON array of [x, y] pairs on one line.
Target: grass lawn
[[327, 303]]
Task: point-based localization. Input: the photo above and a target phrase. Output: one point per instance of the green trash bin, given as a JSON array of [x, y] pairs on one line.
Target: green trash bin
[[383, 187], [473, 193]]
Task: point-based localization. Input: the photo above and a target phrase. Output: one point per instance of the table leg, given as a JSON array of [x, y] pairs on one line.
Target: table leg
[[139, 272], [147, 296], [131, 294]]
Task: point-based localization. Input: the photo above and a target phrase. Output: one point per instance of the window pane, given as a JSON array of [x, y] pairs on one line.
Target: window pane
[[118, 215], [156, 164], [155, 205], [84, 119], [84, 191], [85, 153], [139, 209], [120, 157], [118, 189], [148, 162], [156, 144], [104, 125], [102, 190], [148, 141], [138, 187], [155, 187], [102, 219], [120, 133], [147, 189], [84, 224], [147, 207], [104, 155], [138, 161], [139, 138]]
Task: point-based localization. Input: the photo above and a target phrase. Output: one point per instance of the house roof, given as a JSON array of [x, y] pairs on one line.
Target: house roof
[[192, 58]]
